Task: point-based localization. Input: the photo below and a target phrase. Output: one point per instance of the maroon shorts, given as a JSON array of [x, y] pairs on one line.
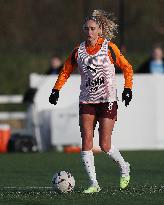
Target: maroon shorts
[[100, 110]]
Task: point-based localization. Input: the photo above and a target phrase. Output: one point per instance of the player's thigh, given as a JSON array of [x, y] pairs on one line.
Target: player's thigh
[[106, 126], [87, 124]]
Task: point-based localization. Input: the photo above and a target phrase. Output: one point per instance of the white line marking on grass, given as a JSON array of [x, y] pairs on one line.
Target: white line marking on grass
[[27, 187]]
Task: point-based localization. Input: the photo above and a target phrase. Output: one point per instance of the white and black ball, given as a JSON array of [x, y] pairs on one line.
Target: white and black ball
[[63, 182]]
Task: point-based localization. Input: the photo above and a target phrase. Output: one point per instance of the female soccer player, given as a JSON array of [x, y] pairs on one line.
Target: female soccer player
[[96, 59]]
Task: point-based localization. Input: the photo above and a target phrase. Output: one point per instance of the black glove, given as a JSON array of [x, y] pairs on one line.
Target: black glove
[[54, 96], [127, 96]]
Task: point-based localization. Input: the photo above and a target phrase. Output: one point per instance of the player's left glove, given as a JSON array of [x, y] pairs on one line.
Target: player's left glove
[[127, 96], [54, 96]]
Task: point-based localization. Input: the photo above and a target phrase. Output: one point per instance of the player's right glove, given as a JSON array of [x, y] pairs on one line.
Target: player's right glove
[[54, 96]]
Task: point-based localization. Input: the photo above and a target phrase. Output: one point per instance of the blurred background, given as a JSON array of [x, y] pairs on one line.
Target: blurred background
[[32, 32]]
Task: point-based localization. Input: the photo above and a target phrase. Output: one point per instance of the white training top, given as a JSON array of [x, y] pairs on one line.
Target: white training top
[[98, 83]]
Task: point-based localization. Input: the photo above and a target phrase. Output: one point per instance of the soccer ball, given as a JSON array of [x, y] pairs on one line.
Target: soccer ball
[[63, 182]]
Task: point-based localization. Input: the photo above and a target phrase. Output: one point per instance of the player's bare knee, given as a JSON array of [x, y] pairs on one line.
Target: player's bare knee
[[105, 147]]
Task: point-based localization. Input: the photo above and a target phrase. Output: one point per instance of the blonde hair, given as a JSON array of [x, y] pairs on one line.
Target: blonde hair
[[105, 21]]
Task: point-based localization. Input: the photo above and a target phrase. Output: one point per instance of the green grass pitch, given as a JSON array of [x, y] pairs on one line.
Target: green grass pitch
[[25, 179]]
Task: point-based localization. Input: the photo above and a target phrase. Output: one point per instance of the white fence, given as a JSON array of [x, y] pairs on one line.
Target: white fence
[[139, 126]]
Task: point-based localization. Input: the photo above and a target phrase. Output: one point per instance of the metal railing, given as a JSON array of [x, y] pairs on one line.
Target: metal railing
[[12, 115]]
